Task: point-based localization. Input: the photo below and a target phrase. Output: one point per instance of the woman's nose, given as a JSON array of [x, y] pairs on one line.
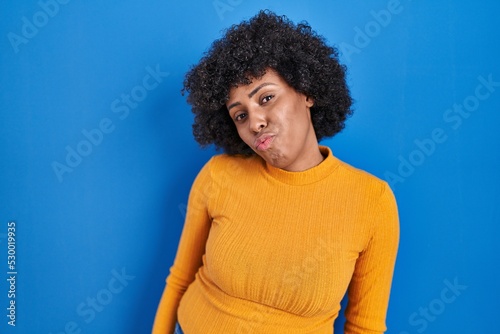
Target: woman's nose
[[257, 120]]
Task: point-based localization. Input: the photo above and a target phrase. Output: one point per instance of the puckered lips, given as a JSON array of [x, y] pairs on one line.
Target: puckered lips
[[263, 141]]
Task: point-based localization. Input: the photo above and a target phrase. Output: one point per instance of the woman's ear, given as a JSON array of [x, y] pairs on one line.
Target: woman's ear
[[309, 101]]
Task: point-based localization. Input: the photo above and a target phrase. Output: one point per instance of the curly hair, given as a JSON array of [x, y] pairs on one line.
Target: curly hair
[[247, 50]]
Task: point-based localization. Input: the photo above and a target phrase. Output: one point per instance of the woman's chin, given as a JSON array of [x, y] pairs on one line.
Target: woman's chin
[[274, 158]]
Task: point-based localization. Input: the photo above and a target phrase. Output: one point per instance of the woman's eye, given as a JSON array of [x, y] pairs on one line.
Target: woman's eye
[[240, 117], [267, 98]]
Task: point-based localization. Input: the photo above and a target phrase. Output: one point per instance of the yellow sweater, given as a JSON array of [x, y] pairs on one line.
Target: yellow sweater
[[265, 250]]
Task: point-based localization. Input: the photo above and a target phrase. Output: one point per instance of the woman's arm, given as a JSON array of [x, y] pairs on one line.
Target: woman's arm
[[368, 294], [189, 253]]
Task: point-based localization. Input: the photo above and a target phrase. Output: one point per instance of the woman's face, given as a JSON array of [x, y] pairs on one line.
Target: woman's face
[[275, 121]]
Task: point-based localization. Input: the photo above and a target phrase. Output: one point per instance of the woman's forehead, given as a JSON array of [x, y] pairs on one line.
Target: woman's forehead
[[270, 77]]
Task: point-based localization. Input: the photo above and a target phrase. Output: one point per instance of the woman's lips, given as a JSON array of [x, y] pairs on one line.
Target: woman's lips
[[262, 143]]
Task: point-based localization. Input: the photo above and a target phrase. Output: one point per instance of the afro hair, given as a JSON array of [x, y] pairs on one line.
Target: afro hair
[[246, 51]]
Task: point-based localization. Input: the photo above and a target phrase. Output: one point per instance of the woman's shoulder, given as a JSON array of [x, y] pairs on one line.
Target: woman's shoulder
[[224, 164], [361, 178]]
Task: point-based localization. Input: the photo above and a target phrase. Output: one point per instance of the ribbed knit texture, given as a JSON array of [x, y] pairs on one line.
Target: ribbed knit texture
[[265, 250]]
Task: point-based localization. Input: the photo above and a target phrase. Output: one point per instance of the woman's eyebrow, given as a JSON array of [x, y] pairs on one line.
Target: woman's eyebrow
[[252, 93], [233, 105]]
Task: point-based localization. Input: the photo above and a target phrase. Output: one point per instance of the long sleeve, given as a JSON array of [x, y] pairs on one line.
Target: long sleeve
[[368, 294], [189, 254]]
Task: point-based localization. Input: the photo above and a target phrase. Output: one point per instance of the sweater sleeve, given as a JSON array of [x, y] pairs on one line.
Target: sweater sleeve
[[368, 293], [189, 253]]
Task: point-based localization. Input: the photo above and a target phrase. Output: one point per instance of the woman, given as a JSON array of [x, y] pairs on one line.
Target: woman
[[277, 229]]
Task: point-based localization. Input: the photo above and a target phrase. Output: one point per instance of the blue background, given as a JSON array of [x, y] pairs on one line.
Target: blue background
[[120, 210]]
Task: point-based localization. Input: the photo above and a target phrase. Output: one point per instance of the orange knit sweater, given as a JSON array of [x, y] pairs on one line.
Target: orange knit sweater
[[265, 250]]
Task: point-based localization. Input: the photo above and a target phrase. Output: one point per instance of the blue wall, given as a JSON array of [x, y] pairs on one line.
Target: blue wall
[[97, 155]]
